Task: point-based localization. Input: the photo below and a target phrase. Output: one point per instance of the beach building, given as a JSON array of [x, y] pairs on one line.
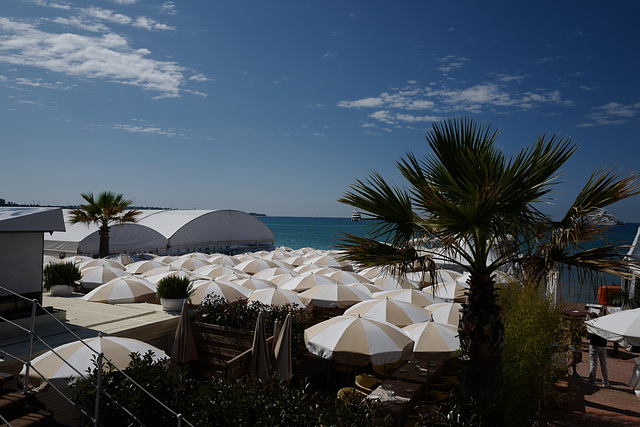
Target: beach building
[[21, 251], [168, 232]]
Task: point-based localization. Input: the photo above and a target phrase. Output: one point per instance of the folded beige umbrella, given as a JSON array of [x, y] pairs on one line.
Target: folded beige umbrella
[[260, 363], [282, 363], [358, 340], [123, 290], [395, 312], [184, 345]]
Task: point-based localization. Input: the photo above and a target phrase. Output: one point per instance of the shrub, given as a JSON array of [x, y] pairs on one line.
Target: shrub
[[215, 401], [534, 353], [64, 273], [174, 287], [242, 314]]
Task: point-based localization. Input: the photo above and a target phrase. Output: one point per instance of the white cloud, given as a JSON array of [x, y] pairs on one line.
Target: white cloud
[[612, 113], [106, 57], [76, 21], [169, 8], [149, 130], [125, 2], [398, 106], [40, 83], [106, 15], [151, 25], [52, 4], [451, 62], [199, 78], [362, 103]]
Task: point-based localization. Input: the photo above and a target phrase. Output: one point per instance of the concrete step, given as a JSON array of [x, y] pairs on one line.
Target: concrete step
[[32, 419], [12, 404]]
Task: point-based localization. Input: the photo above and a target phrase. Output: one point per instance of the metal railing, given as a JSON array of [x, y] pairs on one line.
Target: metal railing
[[99, 391]]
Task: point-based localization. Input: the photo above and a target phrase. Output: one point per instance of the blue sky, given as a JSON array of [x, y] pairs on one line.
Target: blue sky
[[278, 106]]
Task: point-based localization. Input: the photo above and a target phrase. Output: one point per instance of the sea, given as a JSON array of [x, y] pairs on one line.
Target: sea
[[325, 233]]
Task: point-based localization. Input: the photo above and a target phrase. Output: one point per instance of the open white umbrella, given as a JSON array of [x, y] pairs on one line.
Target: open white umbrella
[[413, 296], [221, 259], [395, 312], [329, 261], [269, 273], [123, 290], [308, 268], [198, 255], [100, 262], [140, 267], [92, 277], [190, 263], [390, 282], [81, 357], [333, 295], [157, 277], [450, 292], [358, 340], [254, 266], [367, 288], [304, 282], [348, 277], [216, 270], [371, 272], [276, 297], [434, 341], [622, 327], [448, 313], [227, 290], [254, 284]]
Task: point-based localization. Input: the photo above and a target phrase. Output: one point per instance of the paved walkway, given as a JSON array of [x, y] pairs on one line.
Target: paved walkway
[[596, 406]]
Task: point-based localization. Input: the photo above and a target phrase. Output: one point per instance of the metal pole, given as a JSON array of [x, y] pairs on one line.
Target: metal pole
[[179, 416], [97, 408], [34, 306]]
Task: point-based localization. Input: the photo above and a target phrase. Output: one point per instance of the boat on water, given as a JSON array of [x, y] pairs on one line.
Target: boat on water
[[606, 218], [355, 216]]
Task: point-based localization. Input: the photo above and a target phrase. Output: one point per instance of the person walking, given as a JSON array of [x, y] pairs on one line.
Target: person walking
[[598, 350]]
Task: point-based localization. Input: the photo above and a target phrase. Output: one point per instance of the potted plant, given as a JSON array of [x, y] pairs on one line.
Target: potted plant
[[172, 291], [61, 278]]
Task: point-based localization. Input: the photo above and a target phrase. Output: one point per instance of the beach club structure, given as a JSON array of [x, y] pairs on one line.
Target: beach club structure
[[167, 232]]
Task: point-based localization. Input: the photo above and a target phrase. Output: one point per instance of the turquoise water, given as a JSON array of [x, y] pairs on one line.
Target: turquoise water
[[325, 233]]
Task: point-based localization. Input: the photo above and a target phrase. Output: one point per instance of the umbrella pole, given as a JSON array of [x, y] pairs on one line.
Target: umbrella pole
[[34, 303], [98, 380]]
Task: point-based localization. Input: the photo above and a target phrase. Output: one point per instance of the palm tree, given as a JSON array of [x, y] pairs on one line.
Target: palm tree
[[467, 199], [108, 209]]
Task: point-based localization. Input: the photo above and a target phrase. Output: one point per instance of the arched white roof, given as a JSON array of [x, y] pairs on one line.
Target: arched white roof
[[159, 230]]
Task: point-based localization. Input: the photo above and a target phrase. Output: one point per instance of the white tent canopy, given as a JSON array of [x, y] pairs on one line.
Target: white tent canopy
[[168, 231]]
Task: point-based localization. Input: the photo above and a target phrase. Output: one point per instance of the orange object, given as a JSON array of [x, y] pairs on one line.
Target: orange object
[[607, 293]]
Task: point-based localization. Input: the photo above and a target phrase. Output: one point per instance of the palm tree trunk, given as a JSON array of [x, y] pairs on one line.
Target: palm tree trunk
[[481, 337], [103, 251]]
